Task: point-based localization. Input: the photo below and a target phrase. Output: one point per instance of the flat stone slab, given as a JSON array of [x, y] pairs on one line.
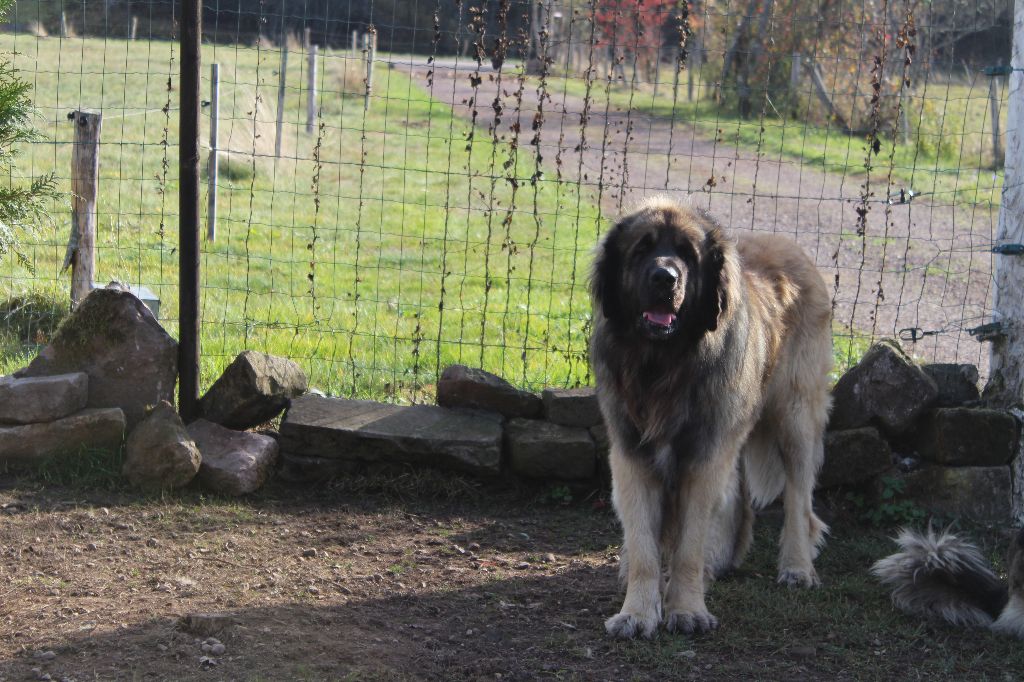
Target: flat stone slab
[[572, 406], [31, 400], [335, 428], [92, 428], [299, 469], [963, 436], [233, 462], [976, 493], [539, 449], [853, 456], [468, 387]]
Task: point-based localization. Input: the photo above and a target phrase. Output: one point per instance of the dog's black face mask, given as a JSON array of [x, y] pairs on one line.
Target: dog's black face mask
[[657, 282]]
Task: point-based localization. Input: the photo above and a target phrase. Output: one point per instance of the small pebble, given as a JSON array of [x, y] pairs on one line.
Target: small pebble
[[549, 558], [45, 655], [309, 553], [474, 547], [523, 564]]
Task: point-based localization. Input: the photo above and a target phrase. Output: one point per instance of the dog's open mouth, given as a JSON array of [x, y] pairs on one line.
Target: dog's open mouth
[[659, 323]]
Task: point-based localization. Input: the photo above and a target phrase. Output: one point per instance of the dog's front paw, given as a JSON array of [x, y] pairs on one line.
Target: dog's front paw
[[691, 622], [631, 625], [798, 578]]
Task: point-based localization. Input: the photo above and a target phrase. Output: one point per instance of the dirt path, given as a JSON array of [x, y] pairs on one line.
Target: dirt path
[[924, 264]]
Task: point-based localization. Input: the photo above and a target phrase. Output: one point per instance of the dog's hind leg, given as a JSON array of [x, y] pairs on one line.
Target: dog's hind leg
[[802, 451], [637, 497]]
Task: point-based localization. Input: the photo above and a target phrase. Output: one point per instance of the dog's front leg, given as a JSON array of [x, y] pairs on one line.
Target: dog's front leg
[[700, 489], [637, 499]]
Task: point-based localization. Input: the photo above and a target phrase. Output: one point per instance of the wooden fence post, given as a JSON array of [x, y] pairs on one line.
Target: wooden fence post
[[63, 25], [214, 160], [355, 43], [135, 27], [1007, 366], [282, 81], [311, 90], [85, 173]]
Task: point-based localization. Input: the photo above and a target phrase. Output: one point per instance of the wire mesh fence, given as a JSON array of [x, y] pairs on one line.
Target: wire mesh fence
[[405, 184]]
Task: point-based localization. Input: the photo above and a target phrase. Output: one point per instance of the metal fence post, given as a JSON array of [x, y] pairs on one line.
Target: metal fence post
[[85, 174], [282, 81], [214, 168], [188, 212], [311, 90], [1008, 350]]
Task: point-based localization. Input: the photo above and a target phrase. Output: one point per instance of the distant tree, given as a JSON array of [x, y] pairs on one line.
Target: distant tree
[[634, 29], [23, 201]]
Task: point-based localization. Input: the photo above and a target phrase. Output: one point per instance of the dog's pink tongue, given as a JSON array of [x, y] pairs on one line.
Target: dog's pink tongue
[[660, 319]]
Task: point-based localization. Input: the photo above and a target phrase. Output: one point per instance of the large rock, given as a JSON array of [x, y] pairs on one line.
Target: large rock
[[963, 436], [253, 389], [93, 428], [315, 426], [957, 383], [538, 449], [131, 361], [30, 400], [160, 453], [233, 462], [976, 493], [853, 456], [885, 389], [572, 406], [461, 386]]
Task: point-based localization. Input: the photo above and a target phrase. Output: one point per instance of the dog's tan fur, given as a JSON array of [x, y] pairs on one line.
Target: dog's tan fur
[[729, 412]]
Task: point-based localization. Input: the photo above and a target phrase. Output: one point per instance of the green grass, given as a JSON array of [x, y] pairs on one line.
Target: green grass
[[947, 155], [347, 278]]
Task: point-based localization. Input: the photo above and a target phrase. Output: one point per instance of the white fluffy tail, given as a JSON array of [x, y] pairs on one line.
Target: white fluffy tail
[[938, 575]]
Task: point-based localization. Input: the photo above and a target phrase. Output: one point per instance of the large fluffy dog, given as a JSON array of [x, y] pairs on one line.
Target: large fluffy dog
[[712, 358]]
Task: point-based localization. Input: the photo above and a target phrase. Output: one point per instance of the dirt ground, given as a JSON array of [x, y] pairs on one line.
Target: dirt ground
[[419, 576]]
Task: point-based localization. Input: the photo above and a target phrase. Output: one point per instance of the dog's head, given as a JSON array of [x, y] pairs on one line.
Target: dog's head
[[663, 272]]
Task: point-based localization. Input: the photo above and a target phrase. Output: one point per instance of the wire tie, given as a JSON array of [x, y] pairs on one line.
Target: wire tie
[[1009, 249]]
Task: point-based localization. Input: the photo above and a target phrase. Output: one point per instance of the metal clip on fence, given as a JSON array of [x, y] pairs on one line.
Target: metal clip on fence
[[999, 70], [915, 334], [987, 332], [905, 196], [1009, 249]]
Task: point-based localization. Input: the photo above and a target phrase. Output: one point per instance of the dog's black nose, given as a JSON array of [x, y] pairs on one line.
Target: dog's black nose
[[664, 277]]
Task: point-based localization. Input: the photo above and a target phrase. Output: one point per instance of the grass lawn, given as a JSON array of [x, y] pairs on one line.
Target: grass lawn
[[377, 249]]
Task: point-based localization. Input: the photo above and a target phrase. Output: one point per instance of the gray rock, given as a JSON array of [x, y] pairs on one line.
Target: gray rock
[[253, 389], [539, 449], [963, 436], [853, 456], [977, 493], [884, 389], [131, 361], [572, 406], [375, 432], [160, 453], [957, 384], [233, 462], [91, 428], [461, 386], [300, 469], [206, 624], [31, 400]]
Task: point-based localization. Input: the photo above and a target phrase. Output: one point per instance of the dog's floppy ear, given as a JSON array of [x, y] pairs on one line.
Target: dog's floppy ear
[[713, 299], [606, 277]]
